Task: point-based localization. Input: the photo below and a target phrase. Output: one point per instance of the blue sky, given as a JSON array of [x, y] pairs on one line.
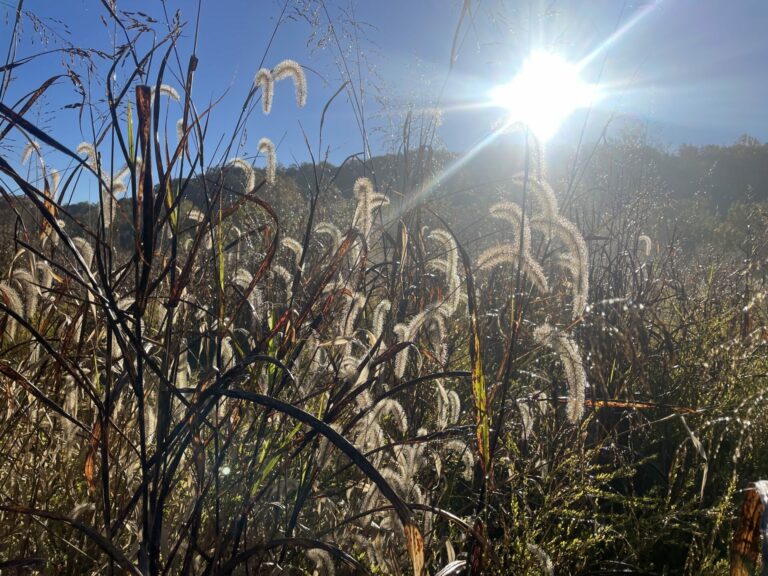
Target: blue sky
[[691, 71]]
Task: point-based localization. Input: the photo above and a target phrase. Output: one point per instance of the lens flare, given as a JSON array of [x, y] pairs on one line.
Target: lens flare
[[547, 90]]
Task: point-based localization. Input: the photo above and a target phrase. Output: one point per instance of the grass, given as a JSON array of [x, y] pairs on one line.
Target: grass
[[190, 390]]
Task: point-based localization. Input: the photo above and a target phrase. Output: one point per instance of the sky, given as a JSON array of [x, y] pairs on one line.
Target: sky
[[686, 71]]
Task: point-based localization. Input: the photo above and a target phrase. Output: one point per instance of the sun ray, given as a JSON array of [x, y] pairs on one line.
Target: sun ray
[[546, 91], [617, 35]]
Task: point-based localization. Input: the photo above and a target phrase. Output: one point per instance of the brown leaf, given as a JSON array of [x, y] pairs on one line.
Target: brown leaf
[[90, 459], [415, 544], [90, 470]]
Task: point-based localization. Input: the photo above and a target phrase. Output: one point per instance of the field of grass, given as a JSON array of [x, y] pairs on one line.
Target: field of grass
[[210, 372]]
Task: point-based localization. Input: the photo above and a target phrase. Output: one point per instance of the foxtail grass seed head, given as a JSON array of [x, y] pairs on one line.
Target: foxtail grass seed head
[[576, 257], [449, 267], [570, 357], [464, 452], [379, 317], [55, 178], [368, 202], [294, 246], [541, 192], [267, 148], [645, 245], [85, 249], [87, 149], [363, 188], [167, 90], [292, 69], [266, 83], [29, 287], [513, 215], [10, 297], [109, 203], [322, 562], [247, 170], [26, 154], [330, 230], [508, 254]]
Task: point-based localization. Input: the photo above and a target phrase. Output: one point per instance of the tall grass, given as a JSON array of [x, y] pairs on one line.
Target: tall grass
[[191, 390]]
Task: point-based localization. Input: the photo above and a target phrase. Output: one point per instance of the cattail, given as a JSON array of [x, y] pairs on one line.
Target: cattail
[[570, 357], [349, 371], [267, 148], [362, 189], [265, 81], [26, 154], [506, 254], [247, 170], [292, 69]]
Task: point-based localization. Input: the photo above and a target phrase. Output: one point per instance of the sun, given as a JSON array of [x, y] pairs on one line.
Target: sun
[[545, 92]]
